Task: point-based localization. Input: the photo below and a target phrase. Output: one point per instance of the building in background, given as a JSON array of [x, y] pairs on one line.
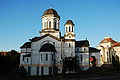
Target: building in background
[[43, 55], [110, 51], [4, 53]]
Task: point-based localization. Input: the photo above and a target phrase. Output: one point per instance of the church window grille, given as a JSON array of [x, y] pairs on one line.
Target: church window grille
[[46, 57]]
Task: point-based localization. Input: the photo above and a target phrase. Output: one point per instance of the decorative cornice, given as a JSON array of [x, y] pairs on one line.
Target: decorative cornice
[[66, 35], [43, 31], [69, 40]]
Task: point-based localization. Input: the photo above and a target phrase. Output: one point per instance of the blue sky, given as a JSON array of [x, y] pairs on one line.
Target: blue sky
[[20, 20]]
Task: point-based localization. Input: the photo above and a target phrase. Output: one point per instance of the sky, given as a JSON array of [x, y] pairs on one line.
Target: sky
[[20, 20]]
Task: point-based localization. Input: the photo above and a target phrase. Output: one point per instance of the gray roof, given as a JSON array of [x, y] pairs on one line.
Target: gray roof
[[82, 43], [92, 49], [26, 45]]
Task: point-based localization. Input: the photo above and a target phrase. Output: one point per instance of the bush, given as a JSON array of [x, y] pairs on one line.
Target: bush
[[22, 71]]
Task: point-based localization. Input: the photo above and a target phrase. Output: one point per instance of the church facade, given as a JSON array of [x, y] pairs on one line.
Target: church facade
[[41, 54]]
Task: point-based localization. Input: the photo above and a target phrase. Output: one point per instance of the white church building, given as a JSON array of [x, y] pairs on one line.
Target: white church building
[[46, 51]]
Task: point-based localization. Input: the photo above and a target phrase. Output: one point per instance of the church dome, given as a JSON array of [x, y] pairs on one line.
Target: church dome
[[51, 11], [70, 22]]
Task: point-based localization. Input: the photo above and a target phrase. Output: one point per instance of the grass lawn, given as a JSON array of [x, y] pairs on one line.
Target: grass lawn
[[82, 74]]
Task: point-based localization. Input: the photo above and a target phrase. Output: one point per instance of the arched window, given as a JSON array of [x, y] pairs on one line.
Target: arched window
[[66, 29], [81, 57], [72, 28], [50, 24], [69, 28], [46, 57], [55, 24], [69, 45]]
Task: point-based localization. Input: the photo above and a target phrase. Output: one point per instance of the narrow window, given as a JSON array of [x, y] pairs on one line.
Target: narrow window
[[27, 59], [66, 29], [69, 45], [23, 58], [54, 43], [77, 49], [41, 57], [52, 57], [46, 57], [81, 57], [42, 70], [50, 24], [69, 28], [84, 49], [55, 24], [72, 28]]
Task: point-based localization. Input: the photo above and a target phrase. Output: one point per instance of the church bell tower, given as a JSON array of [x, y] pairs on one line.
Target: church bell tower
[[50, 23], [69, 30]]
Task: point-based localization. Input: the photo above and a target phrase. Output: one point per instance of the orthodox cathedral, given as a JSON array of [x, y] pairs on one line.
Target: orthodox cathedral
[[41, 54]]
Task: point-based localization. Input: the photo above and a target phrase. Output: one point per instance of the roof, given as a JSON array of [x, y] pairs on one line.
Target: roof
[[51, 11], [91, 49], [83, 43], [108, 40], [26, 45], [116, 44], [70, 22], [47, 48], [35, 39], [27, 55]]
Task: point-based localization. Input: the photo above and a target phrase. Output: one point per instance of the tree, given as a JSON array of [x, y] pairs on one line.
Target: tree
[[9, 62], [115, 61], [70, 64]]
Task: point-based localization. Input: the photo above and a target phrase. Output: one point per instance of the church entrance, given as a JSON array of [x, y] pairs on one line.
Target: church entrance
[[93, 61]]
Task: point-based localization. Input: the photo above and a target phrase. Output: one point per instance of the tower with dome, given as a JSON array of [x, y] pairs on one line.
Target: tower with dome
[[43, 55]]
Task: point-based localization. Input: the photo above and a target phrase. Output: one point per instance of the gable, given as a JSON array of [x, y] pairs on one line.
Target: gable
[[35, 39]]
